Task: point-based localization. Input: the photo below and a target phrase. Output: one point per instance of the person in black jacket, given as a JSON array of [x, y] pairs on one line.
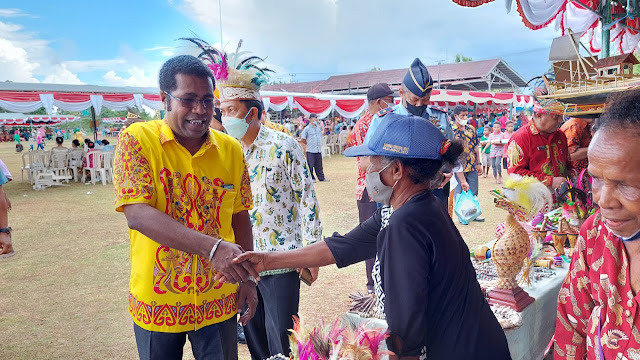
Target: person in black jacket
[[425, 283]]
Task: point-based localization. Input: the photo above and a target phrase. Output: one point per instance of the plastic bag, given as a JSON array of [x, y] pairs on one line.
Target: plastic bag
[[467, 207]]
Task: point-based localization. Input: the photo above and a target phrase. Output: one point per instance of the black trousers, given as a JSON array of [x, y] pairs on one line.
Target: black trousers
[[366, 209], [268, 332], [228, 331], [314, 160]]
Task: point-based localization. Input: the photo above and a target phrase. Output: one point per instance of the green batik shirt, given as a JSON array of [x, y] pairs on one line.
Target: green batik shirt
[[285, 213]]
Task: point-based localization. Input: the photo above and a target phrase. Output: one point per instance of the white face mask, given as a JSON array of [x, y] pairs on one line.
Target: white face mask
[[463, 122], [378, 191], [236, 127]]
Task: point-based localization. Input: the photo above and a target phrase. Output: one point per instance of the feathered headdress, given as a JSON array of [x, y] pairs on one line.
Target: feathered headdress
[[523, 197], [237, 77]]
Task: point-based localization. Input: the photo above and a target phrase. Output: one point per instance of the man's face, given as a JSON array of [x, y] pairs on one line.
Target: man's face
[[313, 121], [237, 109], [463, 116], [189, 122], [380, 104], [413, 99], [547, 123]]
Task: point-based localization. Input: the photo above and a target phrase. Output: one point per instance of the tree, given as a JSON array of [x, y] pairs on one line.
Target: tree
[[461, 58], [375, 68]]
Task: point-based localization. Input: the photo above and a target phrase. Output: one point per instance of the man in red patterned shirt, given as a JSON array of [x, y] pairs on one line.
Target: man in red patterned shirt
[[380, 97], [540, 149]]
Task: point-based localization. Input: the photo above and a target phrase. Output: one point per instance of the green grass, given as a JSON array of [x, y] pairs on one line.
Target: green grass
[[64, 294]]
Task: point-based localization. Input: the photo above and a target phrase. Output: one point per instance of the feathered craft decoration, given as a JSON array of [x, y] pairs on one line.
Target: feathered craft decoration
[[236, 70], [334, 342], [523, 197]]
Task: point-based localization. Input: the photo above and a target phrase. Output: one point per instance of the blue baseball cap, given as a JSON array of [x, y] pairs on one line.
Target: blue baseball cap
[[406, 136]]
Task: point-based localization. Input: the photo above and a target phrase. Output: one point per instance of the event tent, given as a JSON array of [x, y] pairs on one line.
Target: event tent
[[581, 16], [18, 119], [27, 98], [351, 106]]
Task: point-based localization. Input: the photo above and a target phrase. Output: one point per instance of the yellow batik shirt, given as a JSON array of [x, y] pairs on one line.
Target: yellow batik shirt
[[171, 290]]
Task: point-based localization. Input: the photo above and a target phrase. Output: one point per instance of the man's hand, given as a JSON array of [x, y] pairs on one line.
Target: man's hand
[[247, 294], [314, 274], [252, 260], [223, 262], [465, 186], [5, 243], [557, 182]]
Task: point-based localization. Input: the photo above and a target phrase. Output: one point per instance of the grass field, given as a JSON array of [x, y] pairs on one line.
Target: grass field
[[64, 294]]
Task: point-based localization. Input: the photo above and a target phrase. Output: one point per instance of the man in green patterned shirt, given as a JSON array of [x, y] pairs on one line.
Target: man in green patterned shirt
[[285, 217]]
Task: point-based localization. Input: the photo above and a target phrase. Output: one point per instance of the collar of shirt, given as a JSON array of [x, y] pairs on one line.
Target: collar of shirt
[[166, 134], [263, 134]]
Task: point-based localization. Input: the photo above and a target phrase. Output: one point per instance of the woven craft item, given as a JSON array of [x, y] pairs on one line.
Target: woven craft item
[[509, 252]]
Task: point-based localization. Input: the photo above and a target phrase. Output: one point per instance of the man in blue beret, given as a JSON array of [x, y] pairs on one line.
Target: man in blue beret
[[415, 94]]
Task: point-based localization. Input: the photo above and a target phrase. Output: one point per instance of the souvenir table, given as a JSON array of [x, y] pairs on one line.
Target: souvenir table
[[526, 342]]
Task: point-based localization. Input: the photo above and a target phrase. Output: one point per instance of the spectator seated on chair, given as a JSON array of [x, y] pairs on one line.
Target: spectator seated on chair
[[75, 144], [106, 146]]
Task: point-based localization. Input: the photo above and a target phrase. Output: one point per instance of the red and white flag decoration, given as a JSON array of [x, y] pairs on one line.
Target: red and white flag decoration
[[351, 106], [31, 101]]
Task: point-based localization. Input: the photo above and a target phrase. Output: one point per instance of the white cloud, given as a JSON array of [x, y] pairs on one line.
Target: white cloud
[[59, 74], [338, 36], [156, 48], [137, 77], [13, 13], [14, 63], [94, 65]]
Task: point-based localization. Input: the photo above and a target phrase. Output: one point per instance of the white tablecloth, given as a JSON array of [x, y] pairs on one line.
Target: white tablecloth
[[527, 342]]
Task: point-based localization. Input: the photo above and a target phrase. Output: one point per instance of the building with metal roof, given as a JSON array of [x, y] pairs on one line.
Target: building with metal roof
[[483, 75]]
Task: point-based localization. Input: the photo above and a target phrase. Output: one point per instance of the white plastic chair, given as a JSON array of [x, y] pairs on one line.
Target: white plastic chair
[[38, 161], [94, 163], [334, 144], [76, 157], [59, 164], [106, 170], [25, 167], [326, 149]]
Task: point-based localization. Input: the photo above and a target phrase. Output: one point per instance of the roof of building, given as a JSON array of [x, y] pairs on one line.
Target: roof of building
[[615, 60], [472, 75]]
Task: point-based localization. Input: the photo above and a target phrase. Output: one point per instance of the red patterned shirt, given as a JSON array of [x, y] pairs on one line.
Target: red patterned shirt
[[357, 138], [578, 133], [530, 153], [597, 311]]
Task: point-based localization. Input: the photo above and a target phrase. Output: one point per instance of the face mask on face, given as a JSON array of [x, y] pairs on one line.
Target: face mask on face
[[463, 122], [378, 191], [236, 127], [414, 109]]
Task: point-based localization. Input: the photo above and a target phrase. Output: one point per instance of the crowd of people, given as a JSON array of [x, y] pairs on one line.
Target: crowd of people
[[224, 220]]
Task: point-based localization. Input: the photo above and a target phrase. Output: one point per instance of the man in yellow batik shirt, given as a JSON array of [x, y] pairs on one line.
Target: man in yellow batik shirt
[[185, 192]]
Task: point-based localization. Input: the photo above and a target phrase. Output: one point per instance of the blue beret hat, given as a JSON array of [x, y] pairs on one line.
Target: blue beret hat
[[417, 79]]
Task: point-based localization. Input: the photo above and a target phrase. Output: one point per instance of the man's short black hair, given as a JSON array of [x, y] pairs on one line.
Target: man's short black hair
[[459, 109], [182, 64], [622, 113]]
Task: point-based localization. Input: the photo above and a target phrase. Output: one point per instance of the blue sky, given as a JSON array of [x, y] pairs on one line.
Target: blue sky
[[124, 42]]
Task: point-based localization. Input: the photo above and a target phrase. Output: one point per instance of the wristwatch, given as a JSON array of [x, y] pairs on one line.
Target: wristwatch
[[6, 230]]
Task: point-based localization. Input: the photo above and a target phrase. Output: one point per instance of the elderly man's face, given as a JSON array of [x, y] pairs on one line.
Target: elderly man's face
[[547, 123], [615, 168]]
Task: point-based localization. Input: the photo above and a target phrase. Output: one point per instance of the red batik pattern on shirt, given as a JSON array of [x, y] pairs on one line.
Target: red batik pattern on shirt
[[596, 297], [530, 153], [358, 134], [578, 133]]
